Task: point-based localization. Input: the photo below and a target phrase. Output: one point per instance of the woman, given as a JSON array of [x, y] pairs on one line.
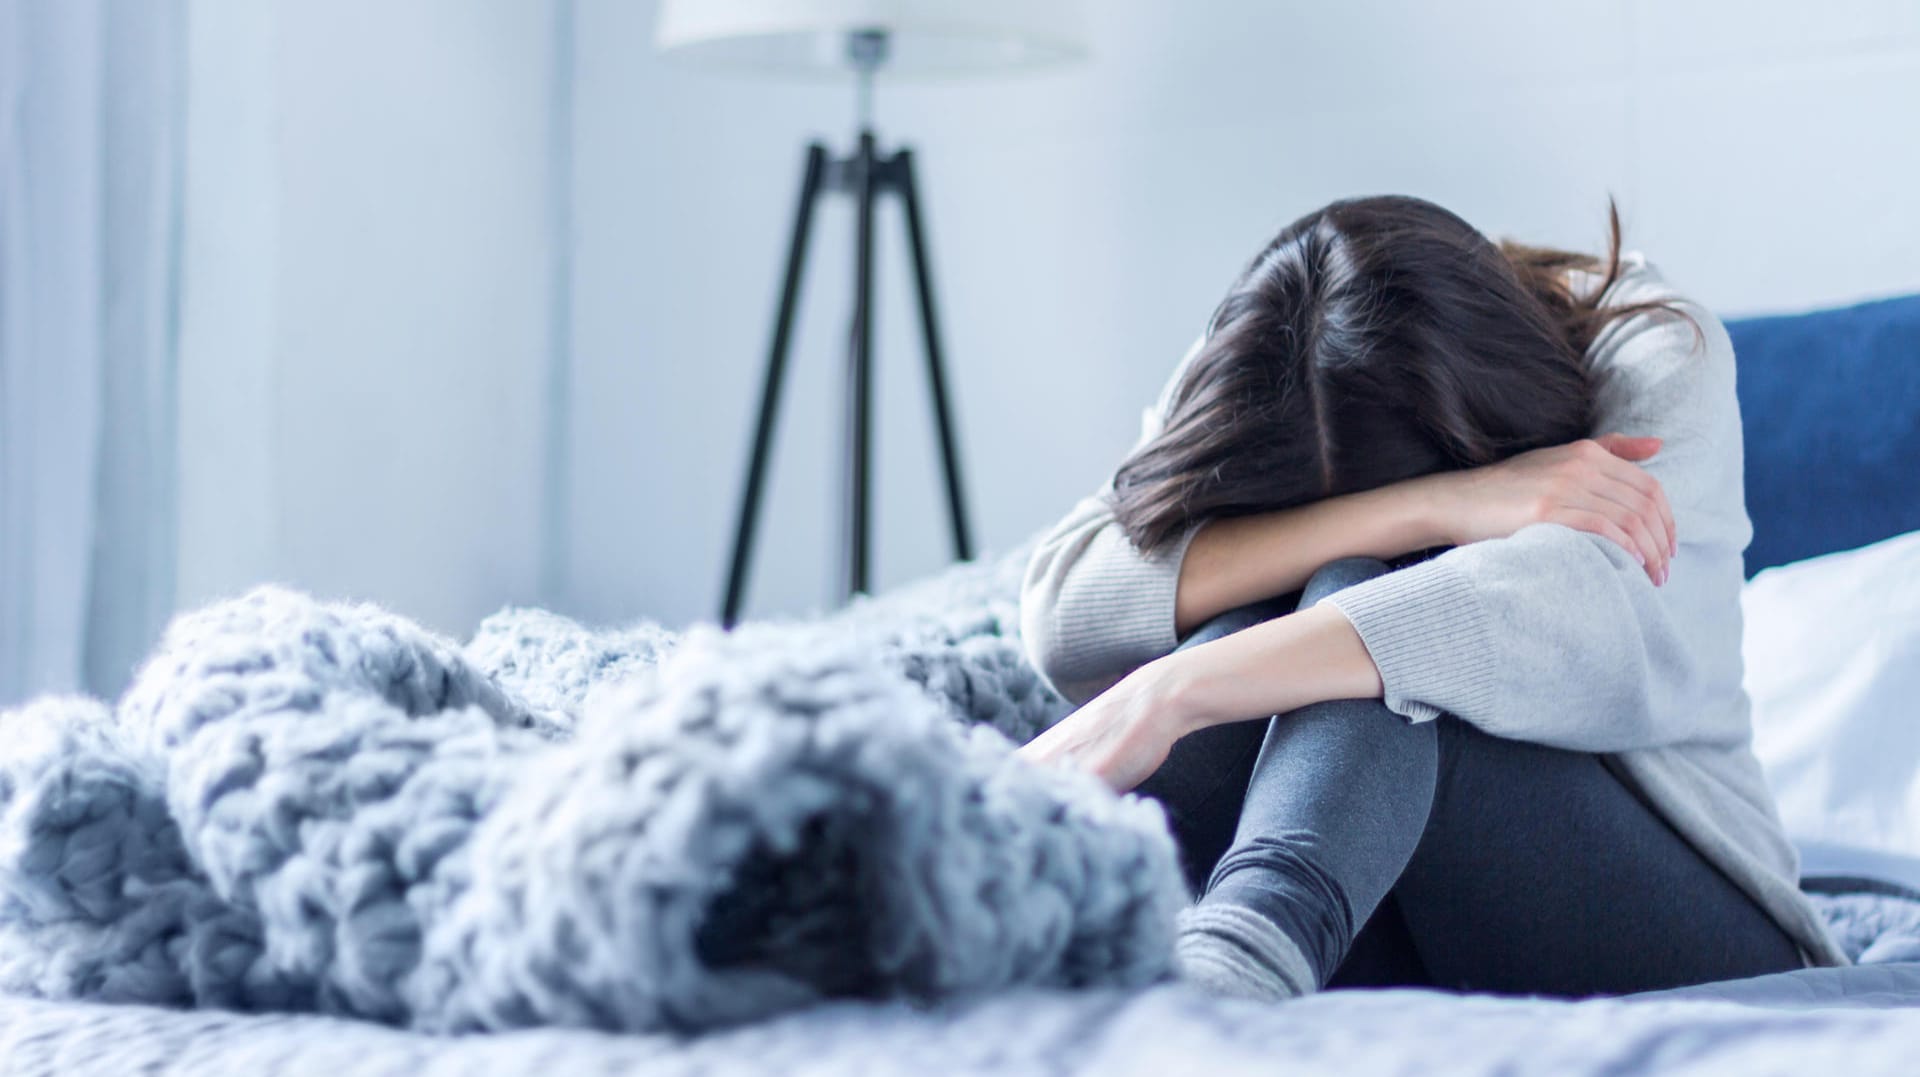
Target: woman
[[1417, 606]]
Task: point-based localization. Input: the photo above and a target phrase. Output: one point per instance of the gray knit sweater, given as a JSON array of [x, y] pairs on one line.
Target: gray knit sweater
[[1549, 635]]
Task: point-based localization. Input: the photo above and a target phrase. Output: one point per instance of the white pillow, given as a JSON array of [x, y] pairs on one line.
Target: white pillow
[[1832, 652]]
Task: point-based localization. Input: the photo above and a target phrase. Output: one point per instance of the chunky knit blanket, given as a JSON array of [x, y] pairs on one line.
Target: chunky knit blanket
[[308, 806]]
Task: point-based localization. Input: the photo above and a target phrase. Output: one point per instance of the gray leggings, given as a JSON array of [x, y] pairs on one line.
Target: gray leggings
[[1433, 854]]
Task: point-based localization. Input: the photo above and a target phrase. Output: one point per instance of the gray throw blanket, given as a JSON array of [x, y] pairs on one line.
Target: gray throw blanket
[[308, 806]]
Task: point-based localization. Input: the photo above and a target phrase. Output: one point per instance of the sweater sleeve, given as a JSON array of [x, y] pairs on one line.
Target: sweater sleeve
[[1092, 606], [1558, 637]]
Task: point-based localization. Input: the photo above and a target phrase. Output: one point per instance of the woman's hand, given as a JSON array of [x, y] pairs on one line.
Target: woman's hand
[[1594, 485], [1122, 735]]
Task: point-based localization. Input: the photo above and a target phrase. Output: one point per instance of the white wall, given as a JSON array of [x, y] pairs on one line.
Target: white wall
[[1084, 222], [365, 310]]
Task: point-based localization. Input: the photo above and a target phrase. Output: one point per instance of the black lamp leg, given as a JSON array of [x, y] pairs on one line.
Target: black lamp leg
[[860, 372], [866, 177], [936, 372], [810, 186]]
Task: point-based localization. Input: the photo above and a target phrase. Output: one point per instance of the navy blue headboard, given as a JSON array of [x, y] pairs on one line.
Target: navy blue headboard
[[1831, 406]]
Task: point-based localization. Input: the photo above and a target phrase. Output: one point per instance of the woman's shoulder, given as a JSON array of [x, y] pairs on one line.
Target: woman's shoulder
[[1675, 332], [1638, 281]]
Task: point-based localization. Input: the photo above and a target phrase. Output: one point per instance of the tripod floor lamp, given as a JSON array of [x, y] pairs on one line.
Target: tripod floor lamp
[[860, 40]]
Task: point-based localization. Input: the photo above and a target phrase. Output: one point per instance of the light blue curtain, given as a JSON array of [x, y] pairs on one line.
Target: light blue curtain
[[90, 151]]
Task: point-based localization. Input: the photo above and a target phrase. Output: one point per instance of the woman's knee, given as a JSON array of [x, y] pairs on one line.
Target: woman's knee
[[1330, 577], [1340, 575], [1233, 620]]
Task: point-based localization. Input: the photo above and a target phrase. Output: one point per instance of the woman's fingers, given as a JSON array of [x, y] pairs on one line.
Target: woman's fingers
[[1597, 523], [1643, 494], [1655, 548], [1629, 452], [1636, 525], [1594, 485], [1628, 447], [1648, 545], [1631, 484], [1645, 504]]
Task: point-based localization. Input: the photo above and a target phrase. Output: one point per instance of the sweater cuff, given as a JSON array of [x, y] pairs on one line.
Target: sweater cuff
[[1119, 613], [1126, 599], [1428, 634]]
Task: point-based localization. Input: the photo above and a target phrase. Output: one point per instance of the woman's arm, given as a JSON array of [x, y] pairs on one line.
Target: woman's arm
[[1093, 607], [1591, 486], [1243, 559], [1435, 635], [1124, 734]]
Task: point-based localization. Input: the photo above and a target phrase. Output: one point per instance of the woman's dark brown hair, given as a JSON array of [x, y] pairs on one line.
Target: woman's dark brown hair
[[1372, 341]]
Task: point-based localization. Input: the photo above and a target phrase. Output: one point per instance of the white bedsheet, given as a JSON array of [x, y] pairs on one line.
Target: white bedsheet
[[1820, 1022]]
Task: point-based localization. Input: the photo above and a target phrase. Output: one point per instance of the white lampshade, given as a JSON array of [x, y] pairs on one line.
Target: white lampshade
[[926, 38]]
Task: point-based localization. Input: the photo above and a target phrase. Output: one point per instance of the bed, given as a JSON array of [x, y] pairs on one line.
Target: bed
[[1819, 1021], [1833, 463]]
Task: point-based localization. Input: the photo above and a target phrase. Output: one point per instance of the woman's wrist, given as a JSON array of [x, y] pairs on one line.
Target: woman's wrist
[[1176, 690], [1397, 519], [1428, 505]]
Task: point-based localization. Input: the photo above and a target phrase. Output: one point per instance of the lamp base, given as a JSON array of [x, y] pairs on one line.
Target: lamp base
[[866, 175]]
